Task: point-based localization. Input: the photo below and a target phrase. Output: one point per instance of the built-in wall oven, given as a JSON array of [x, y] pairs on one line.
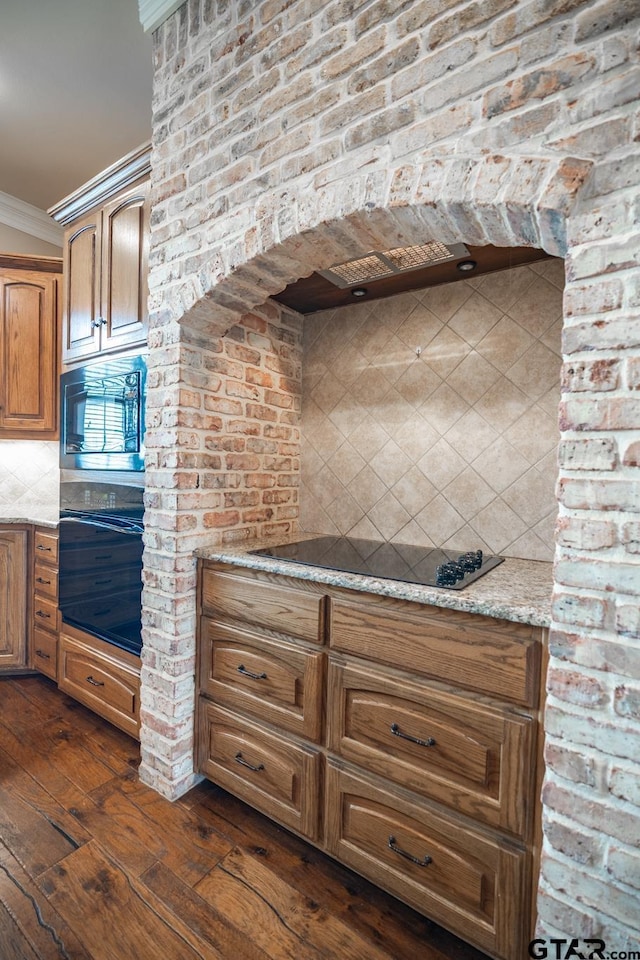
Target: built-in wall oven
[[101, 499]]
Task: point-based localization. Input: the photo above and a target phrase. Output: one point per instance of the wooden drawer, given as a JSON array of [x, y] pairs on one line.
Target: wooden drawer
[[265, 601], [463, 753], [479, 653], [104, 678], [45, 613], [470, 882], [45, 547], [272, 773], [45, 580], [45, 652], [276, 680]]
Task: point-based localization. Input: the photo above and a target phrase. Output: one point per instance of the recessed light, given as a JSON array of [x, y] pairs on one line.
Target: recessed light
[[359, 292], [465, 266]]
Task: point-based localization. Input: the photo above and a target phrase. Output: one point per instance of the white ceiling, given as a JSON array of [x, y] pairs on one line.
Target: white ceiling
[[75, 93]]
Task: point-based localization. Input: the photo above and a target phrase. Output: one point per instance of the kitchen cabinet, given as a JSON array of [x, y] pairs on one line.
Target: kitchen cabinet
[[105, 260], [105, 277], [29, 308], [401, 738], [44, 636], [14, 596], [100, 675]]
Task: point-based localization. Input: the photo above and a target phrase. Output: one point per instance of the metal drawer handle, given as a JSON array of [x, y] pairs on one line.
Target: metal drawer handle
[[42, 547], [41, 653], [101, 583], [408, 856], [244, 763], [247, 673], [397, 732], [41, 613], [94, 683], [42, 580]]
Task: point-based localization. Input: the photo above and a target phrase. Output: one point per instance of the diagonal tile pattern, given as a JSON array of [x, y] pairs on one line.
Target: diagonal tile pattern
[[29, 479], [430, 417]]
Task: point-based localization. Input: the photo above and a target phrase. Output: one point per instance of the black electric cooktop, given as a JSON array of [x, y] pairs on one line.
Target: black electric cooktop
[[427, 566]]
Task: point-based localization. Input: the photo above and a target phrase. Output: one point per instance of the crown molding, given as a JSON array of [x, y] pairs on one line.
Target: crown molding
[[125, 172], [154, 12], [29, 219]]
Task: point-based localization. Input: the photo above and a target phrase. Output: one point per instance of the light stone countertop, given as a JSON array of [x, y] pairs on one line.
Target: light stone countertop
[[516, 590], [36, 521]]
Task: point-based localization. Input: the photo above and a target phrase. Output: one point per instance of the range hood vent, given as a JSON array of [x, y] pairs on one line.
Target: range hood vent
[[377, 265]]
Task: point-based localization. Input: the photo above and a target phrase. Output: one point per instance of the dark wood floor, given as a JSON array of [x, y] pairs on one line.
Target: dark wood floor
[[96, 866]]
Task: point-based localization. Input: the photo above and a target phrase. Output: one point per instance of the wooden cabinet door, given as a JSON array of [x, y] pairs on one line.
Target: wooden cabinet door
[[125, 246], [28, 355], [14, 590], [82, 321]]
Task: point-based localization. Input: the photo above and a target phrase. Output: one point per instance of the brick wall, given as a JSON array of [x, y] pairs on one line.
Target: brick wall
[[292, 134]]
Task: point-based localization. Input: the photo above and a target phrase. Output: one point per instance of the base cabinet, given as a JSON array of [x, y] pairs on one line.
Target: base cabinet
[[400, 738], [102, 677], [44, 636], [14, 597]]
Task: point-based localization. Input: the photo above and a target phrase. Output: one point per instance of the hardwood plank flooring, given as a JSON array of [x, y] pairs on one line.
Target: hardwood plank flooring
[[96, 866]]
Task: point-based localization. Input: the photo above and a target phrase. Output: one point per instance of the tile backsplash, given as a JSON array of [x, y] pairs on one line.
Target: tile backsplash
[[29, 479], [431, 417]]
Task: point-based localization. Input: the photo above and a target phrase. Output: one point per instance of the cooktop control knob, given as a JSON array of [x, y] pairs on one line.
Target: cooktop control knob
[[471, 561], [448, 574]]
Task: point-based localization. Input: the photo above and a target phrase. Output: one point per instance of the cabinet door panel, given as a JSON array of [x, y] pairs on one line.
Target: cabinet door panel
[[472, 883], [268, 770], [28, 362], [81, 328], [14, 580], [124, 270]]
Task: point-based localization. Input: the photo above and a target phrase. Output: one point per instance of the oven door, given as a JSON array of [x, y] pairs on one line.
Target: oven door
[[100, 581]]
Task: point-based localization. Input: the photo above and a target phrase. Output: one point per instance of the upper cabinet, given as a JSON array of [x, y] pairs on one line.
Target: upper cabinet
[[106, 261], [29, 303]]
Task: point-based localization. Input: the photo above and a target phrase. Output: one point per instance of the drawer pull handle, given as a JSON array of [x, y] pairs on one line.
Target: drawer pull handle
[[41, 653], [41, 613], [94, 683], [408, 856], [247, 673], [41, 546], [240, 759], [397, 732], [42, 580], [101, 583]]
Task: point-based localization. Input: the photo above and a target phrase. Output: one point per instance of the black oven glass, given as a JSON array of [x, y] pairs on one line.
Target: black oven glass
[[103, 416], [100, 582]]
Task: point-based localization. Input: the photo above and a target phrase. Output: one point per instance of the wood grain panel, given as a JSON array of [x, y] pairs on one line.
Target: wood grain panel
[[470, 882], [277, 775], [14, 591], [472, 757], [275, 680], [264, 601], [478, 653]]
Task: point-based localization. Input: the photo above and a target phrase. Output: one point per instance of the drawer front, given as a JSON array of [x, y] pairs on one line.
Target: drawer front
[[275, 680], [462, 753], [466, 650], [46, 547], [109, 688], [298, 612], [471, 883], [45, 581], [45, 613], [45, 653], [275, 775]]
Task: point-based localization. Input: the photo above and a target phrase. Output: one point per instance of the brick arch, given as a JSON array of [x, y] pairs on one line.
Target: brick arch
[[498, 200]]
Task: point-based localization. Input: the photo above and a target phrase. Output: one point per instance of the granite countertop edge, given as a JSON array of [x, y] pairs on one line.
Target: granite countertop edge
[[517, 590], [36, 521]]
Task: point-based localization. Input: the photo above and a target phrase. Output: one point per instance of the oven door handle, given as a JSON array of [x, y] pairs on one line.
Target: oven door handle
[[129, 528]]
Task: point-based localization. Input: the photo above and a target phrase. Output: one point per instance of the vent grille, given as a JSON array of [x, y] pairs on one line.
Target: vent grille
[[377, 265]]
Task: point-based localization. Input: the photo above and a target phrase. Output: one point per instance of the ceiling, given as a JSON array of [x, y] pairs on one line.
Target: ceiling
[[75, 93]]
